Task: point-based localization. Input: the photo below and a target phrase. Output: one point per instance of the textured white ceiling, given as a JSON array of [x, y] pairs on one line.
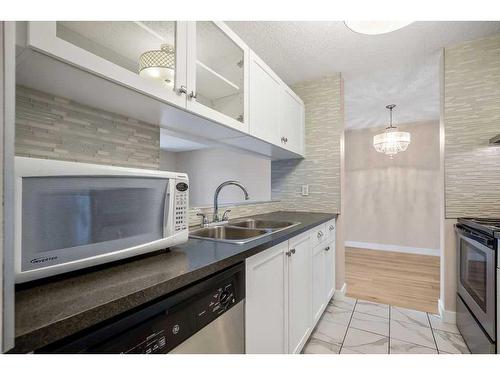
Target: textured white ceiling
[[399, 67]]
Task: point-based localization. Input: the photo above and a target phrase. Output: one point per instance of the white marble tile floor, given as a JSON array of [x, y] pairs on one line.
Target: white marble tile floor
[[350, 326]]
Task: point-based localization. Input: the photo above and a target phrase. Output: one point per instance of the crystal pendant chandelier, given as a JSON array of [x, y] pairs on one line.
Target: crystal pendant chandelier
[[391, 141], [158, 65]]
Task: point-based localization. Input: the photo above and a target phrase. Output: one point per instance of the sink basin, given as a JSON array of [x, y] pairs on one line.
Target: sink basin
[[263, 224], [225, 233]]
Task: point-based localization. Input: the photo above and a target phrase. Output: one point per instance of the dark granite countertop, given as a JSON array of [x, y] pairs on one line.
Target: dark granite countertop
[[59, 308]]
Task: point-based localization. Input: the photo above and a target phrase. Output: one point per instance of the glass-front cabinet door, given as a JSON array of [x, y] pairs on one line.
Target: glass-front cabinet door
[[217, 74], [148, 56]]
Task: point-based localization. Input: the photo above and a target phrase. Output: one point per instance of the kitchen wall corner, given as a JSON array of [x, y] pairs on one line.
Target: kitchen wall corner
[[323, 166], [320, 169]]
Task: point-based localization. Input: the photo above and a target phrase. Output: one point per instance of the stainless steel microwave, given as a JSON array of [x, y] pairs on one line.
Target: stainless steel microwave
[[71, 215]]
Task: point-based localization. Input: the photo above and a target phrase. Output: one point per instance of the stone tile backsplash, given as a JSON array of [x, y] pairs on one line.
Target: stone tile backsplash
[[471, 118], [52, 127]]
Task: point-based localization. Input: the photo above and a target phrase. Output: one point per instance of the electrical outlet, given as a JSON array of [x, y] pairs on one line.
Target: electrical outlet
[[305, 190]]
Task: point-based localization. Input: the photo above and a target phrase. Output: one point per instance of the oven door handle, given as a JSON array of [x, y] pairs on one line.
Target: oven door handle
[[474, 236]]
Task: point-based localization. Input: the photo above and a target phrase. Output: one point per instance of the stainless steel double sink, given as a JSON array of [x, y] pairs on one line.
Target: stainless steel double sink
[[241, 231]]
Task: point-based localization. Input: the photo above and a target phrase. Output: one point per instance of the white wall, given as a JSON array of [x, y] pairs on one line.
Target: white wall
[[168, 161], [208, 168], [394, 202]]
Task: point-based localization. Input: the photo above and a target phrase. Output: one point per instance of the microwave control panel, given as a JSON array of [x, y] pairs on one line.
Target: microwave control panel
[[181, 206]]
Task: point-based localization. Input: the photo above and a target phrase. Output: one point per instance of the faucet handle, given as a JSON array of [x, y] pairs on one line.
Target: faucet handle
[[204, 220], [225, 215]]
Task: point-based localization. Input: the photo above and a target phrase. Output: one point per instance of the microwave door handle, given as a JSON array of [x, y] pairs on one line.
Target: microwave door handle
[[168, 211]]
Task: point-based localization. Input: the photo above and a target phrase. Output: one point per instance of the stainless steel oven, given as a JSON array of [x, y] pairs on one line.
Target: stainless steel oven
[[476, 301], [70, 215]]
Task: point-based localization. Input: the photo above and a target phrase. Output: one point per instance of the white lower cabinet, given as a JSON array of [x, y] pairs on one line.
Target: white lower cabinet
[[323, 277], [329, 270], [265, 315], [318, 281], [299, 292], [287, 289]]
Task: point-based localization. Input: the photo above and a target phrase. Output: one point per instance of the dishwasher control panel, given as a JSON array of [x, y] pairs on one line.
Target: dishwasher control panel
[[161, 326], [173, 327]]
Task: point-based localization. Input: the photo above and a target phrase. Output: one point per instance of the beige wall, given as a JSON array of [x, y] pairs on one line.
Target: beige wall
[[394, 201]]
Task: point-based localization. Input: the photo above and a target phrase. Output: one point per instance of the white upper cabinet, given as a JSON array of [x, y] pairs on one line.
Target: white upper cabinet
[[217, 74], [125, 52], [199, 68], [292, 121], [265, 101], [276, 112]]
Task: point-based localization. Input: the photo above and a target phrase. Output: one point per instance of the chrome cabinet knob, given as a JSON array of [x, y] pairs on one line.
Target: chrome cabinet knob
[[192, 95], [282, 139], [293, 251], [320, 234], [182, 90], [327, 248], [331, 228]]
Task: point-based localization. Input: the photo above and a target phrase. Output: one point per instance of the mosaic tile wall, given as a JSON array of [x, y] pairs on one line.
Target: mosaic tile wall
[[236, 211], [321, 167], [51, 127], [472, 117]]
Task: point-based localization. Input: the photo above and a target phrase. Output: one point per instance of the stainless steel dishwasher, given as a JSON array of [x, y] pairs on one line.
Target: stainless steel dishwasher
[[207, 317]]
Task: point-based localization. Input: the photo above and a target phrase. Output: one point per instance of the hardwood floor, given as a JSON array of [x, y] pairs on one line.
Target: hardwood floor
[[398, 279]]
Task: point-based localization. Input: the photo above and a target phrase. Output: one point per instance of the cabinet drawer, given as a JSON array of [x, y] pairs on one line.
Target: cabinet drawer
[[318, 234], [330, 230]]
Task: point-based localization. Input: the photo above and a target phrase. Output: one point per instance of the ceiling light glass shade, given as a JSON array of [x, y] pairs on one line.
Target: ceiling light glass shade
[[391, 142], [375, 27], [158, 65]]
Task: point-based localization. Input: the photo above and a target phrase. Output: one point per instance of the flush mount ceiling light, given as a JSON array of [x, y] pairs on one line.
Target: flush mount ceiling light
[[375, 27], [391, 141], [158, 65]]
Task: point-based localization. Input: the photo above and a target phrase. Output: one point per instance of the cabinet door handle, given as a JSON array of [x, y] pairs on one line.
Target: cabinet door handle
[[289, 253], [182, 90], [282, 139], [327, 248], [192, 95], [292, 251], [286, 139]]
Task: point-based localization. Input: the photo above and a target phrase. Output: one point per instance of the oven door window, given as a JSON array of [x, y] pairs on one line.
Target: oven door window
[[70, 218], [473, 272]]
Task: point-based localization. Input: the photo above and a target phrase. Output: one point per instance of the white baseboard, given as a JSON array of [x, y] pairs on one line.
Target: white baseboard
[[394, 248], [447, 316], [340, 293]]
